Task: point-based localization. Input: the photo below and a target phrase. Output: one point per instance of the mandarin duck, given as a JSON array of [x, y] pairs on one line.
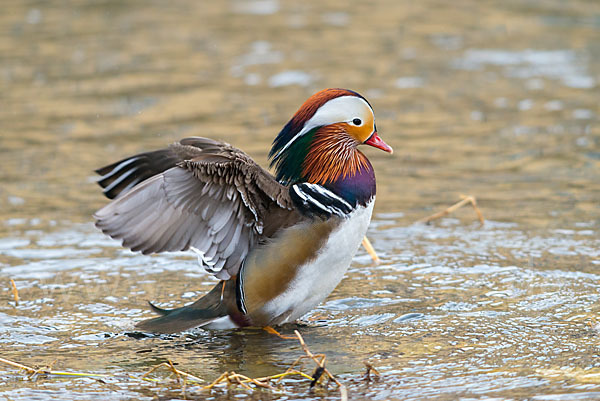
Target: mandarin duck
[[279, 244]]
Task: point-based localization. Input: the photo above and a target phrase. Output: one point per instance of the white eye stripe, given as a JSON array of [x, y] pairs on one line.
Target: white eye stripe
[[335, 110]]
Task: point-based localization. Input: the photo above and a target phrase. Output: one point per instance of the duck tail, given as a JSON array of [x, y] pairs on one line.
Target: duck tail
[[202, 312]]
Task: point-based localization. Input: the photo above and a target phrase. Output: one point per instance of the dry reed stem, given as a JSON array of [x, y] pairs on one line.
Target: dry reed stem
[[289, 372], [227, 377], [216, 381], [296, 362], [318, 359], [43, 369], [242, 380], [18, 365], [465, 199], [236, 378], [370, 250], [321, 364], [32, 371], [370, 369], [178, 376], [179, 373], [15, 291]]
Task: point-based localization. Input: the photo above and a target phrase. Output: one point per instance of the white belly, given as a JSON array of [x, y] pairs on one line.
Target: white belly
[[315, 280]]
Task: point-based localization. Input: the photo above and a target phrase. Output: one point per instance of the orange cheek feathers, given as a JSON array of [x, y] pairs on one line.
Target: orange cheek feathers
[[361, 133]]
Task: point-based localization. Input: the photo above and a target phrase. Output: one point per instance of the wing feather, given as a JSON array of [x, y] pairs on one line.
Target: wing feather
[[197, 193]]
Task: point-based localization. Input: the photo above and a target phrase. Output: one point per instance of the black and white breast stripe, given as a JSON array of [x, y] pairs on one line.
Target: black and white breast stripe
[[316, 199]]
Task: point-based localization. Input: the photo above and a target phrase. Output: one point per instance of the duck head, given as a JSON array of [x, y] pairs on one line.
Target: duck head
[[319, 144]]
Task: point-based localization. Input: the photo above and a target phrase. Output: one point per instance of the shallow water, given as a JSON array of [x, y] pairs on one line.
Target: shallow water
[[494, 99]]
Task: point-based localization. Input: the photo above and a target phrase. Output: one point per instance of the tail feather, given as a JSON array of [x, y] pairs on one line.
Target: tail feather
[[159, 311], [208, 308], [179, 319]]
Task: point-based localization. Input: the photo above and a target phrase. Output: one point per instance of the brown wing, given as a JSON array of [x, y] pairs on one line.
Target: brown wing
[[215, 199], [120, 177]]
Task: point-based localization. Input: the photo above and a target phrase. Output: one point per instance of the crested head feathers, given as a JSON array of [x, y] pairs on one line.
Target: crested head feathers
[[354, 123], [319, 145], [298, 124]]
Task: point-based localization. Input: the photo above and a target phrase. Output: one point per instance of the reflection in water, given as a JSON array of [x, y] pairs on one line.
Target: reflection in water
[[494, 99]]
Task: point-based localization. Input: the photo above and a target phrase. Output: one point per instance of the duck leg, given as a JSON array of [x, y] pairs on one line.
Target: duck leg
[[271, 330]]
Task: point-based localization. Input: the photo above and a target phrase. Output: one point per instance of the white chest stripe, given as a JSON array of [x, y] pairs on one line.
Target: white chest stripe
[[324, 191], [316, 196], [314, 201]]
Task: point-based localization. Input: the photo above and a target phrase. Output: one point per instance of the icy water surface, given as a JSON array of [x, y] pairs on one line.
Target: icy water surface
[[496, 99]]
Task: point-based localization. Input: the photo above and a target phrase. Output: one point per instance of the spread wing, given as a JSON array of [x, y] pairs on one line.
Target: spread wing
[[120, 177], [198, 193]]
